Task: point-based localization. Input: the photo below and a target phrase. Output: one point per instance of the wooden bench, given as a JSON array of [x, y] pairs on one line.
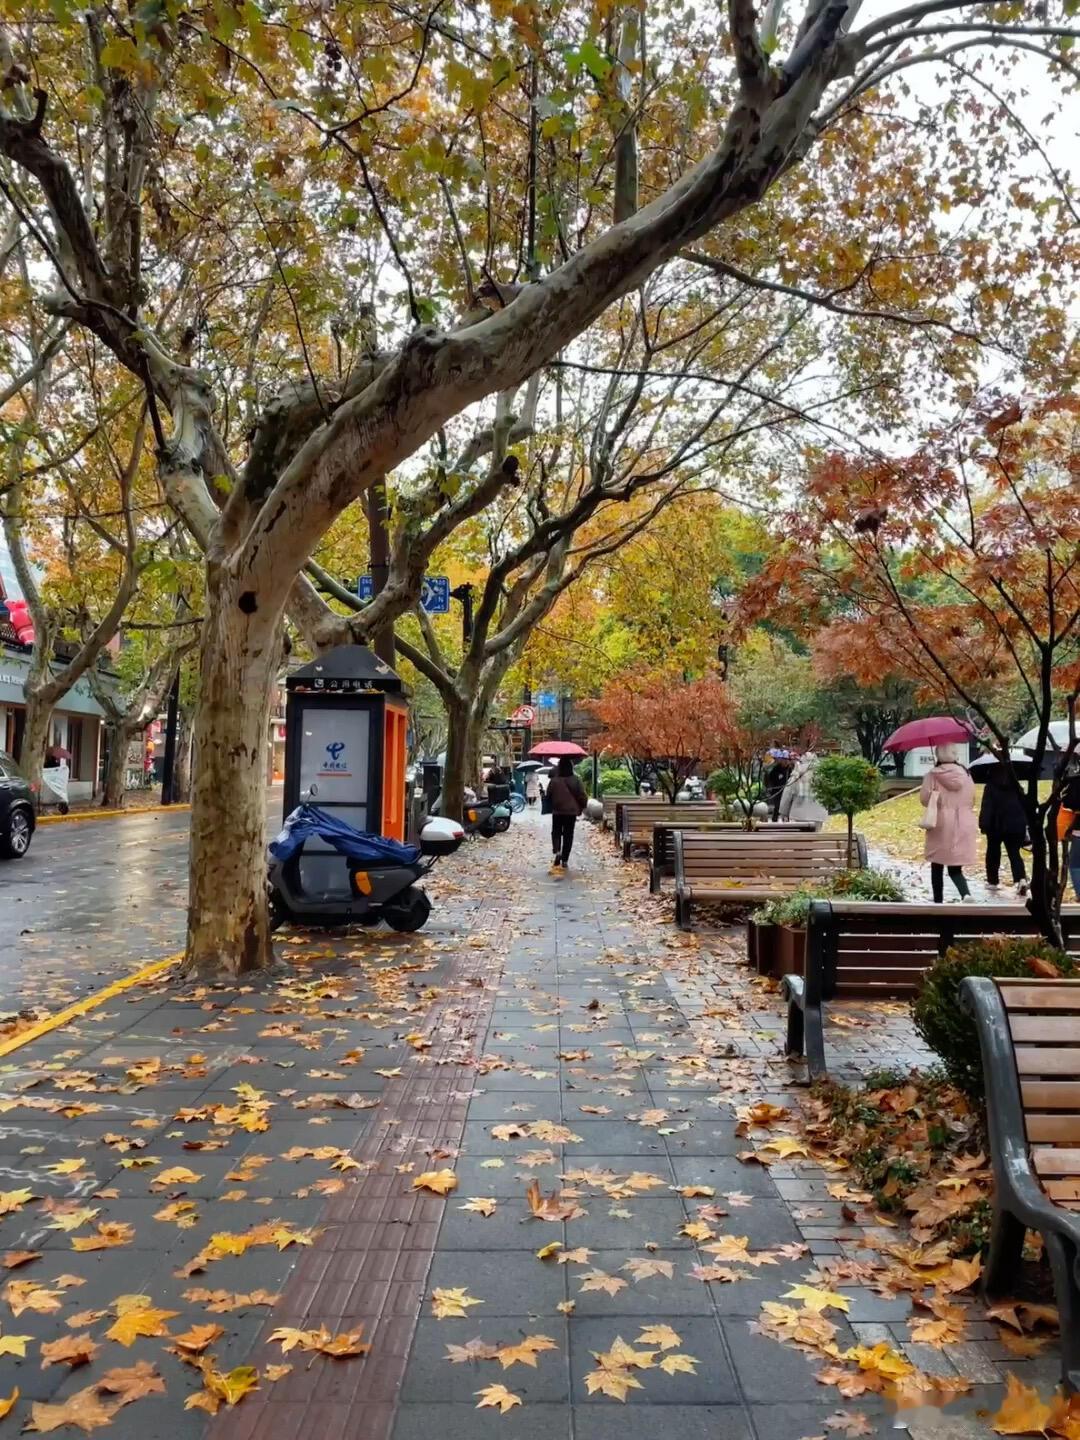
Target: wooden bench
[[741, 867], [634, 823], [610, 802], [875, 950], [662, 863], [1029, 1034]]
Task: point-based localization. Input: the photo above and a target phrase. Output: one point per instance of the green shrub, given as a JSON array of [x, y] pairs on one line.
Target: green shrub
[[866, 885], [947, 1028], [792, 909], [846, 784], [616, 781]]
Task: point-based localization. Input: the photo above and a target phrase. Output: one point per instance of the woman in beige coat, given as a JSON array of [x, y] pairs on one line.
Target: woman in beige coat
[[952, 841]]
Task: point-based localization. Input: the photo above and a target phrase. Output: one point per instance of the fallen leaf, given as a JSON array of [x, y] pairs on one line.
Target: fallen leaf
[[14, 1200], [14, 1258], [1022, 1412], [643, 1267], [321, 1341], [198, 1338], [222, 1388], [66, 1167], [662, 1336], [439, 1182], [15, 1345], [276, 1372], [85, 1408], [600, 1280], [848, 1423], [614, 1382], [526, 1351], [449, 1304], [139, 1320], [480, 1205], [547, 1251], [133, 1383], [678, 1364], [475, 1349], [818, 1300], [7, 1402], [70, 1350], [497, 1397], [108, 1236], [29, 1295]]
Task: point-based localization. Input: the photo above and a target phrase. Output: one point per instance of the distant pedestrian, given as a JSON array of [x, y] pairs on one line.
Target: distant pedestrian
[[948, 794], [566, 796], [1070, 809], [532, 787], [1003, 822], [775, 777]]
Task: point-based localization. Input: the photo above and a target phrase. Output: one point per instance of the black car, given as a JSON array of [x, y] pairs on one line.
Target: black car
[[16, 810]]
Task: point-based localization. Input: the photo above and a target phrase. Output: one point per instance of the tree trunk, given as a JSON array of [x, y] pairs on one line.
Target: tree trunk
[[1044, 893], [35, 738], [228, 922], [116, 768], [474, 735], [457, 758], [182, 773]]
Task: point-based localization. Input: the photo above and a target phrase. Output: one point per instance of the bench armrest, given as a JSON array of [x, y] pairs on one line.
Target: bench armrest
[[1013, 1173]]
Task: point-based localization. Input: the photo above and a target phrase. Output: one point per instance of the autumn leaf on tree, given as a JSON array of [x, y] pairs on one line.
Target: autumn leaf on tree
[[449, 1304], [70, 1350], [497, 1397], [439, 1182], [85, 1409]]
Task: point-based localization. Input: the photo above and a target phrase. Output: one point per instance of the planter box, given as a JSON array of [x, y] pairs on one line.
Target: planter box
[[790, 950], [761, 947]]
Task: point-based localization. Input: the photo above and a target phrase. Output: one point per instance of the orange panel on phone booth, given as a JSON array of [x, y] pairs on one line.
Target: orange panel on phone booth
[[395, 727]]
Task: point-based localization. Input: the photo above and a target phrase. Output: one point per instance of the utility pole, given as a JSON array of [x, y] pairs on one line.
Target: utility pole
[[375, 507], [564, 713], [168, 760]]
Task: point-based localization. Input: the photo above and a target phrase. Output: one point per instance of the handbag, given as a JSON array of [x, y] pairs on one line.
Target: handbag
[[929, 817]]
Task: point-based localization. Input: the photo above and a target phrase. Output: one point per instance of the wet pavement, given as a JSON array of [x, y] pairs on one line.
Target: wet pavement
[[90, 902], [560, 1059]]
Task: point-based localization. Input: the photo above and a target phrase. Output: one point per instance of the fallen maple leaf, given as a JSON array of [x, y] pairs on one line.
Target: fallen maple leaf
[[14, 1258], [600, 1280], [497, 1397], [697, 1230], [198, 1338], [475, 1349], [139, 1320], [662, 1336], [321, 1341], [85, 1408], [547, 1251], [276, 1372], [526, 1351], [818, 1300], [448, 1304], [14, 1345], [7, 1402], [644, 1267], [222, 1387], [133, 1383], [29, 1295], [108, 1236], [70, 1350], [480, 1205], [678, 1364], [613, 1382], [849, 1423], [439, 1182], [66, 1167], [1022, 1411]]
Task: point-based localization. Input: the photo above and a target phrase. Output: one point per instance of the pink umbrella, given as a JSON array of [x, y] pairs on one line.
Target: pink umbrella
[[558, 747], [935, 730]]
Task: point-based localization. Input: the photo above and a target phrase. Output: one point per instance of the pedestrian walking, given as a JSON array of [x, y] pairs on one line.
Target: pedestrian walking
[[532, 787], [952, 833], [776, 775], [1069, 828], [566, 796], [1003, 822]]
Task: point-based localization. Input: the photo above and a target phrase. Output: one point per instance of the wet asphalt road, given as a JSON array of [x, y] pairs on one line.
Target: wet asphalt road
[[90, 902]]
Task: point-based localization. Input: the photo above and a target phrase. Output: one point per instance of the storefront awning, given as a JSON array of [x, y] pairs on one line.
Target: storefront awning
[[15, 667]]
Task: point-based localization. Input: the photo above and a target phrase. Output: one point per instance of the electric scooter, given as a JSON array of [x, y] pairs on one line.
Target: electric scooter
[[479, 816], [370, 878]]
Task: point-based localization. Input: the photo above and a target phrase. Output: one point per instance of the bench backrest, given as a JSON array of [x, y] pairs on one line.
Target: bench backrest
[[877, 949], [703, 856], [663, 834], [636, 821], [610, 802], [1044, 1024]]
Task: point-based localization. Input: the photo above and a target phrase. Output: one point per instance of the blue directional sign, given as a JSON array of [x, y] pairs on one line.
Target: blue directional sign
[[434, 593], [547, 699]]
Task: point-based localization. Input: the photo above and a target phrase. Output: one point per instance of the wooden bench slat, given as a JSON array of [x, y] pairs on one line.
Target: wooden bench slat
[[1046, 1060], [1022, 995], [1056, 1161], [1052, 1129], [1044, 1029], [1050, 1094], [1064, 1192]]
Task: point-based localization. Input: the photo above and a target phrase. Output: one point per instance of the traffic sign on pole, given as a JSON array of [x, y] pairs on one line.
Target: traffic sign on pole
[[523, 715], [434, 593]]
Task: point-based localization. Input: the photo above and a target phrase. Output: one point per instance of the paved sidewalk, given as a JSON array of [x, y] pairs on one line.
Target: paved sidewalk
[[269, 1141]]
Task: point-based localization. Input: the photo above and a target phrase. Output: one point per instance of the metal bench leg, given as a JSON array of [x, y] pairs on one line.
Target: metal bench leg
[[1064, 1261], [1003, 1260], [814, 1041], [796, 1030], [654, 879], [627, 849], [682, 912]]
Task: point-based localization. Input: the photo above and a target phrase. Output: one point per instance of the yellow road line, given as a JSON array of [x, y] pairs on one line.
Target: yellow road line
[[83, 1007], [110, 814]]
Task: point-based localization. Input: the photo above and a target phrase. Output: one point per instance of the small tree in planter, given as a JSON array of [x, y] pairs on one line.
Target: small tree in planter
[[846, 784]]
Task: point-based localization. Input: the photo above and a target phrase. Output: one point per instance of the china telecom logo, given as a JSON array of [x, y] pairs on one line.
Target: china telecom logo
[[335, 762]]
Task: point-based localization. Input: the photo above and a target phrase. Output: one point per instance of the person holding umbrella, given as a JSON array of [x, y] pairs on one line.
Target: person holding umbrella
[[947, 794], [566, 795]]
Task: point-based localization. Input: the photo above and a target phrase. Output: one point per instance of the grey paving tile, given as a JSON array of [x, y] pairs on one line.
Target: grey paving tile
[[429, 1372], [770, 1372], [465, 1422], [673, 1422], [712, 1384]]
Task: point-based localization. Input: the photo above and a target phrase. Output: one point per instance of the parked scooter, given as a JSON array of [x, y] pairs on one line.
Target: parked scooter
[[377, 880], [479, 816]]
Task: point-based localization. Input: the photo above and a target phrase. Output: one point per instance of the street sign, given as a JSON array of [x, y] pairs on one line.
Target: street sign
[[434, 593], [547, 699], [524, 715]]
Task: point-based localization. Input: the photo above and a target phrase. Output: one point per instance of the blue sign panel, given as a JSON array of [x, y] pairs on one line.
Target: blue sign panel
[[434, 593], [547, 699]]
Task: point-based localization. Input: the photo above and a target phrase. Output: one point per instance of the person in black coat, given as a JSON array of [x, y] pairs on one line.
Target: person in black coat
[[1003, 822]]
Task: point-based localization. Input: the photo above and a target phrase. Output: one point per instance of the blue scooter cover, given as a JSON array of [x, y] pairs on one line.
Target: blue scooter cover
[[308, 821]]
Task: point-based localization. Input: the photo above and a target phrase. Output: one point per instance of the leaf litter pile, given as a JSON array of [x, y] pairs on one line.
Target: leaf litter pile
[[899, 1160]]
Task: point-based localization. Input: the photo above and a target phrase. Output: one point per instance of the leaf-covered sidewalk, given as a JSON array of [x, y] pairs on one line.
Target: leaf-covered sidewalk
[[536, 1171]]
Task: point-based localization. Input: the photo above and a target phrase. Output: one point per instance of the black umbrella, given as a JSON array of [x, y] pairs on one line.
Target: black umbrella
[[989, 766]]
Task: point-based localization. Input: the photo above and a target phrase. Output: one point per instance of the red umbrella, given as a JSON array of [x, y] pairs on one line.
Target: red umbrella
[[557, 748], [936, 730]]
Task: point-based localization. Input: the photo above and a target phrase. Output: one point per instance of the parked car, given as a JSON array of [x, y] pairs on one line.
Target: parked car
[[16, 810]]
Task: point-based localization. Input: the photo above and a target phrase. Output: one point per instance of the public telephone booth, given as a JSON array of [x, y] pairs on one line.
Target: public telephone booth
[[346, 720]]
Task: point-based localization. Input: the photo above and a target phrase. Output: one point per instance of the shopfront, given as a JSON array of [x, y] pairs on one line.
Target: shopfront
[[77, 722]]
